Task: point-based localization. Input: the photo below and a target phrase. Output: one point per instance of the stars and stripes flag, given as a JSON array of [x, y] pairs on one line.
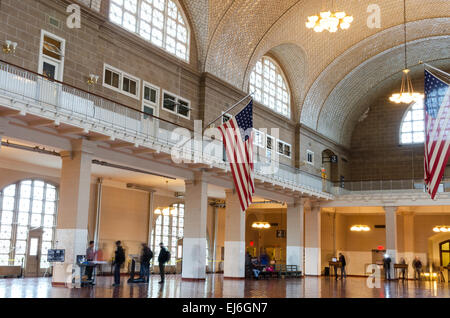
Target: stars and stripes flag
[[437, 131], [237, 134]]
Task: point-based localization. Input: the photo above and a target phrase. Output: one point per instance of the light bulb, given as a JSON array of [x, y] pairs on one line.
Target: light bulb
[[326, 14], [158, 211], [318, 28], [345, 25], [310, 24], [313, 18], [348, 19], [340, 15], [436, 229], [267, 225]]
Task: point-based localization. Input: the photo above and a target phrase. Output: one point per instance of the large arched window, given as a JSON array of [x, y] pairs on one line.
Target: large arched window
[[270, 87], [412, 128], [26, 205], [159, 21]]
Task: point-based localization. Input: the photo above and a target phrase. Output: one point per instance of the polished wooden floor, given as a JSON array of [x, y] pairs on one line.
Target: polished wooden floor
[[216, 286]]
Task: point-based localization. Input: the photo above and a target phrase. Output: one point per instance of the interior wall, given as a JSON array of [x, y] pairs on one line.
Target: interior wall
[[376, 153]]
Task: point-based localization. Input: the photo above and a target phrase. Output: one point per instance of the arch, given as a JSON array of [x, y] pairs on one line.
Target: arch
[[24, 205], [331, 168], [268, 82], [161, 22]]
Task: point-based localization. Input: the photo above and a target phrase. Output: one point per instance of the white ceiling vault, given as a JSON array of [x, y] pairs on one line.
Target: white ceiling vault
[[328, 73]]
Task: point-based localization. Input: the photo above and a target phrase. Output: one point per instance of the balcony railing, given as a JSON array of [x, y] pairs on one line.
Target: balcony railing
[[57, 100]]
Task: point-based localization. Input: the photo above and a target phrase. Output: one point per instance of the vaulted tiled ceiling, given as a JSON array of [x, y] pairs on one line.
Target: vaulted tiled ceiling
[[329, 74]]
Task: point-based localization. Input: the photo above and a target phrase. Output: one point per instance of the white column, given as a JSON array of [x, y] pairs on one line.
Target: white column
[[391, 235], [194, 241], [408, 241], [312, 240], [234, 263], [73, 210], [295, 231]]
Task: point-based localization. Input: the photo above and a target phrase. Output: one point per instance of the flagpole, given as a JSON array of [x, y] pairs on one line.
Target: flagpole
[[436, 69], [229, 109]]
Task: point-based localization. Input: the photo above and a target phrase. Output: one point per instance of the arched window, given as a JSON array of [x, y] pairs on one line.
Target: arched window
[[169, 229], [159, 21], [412, 128], [26, 205], [269, 84]]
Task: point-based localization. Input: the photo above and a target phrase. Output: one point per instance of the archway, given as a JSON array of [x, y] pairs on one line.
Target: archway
[[330, 164]]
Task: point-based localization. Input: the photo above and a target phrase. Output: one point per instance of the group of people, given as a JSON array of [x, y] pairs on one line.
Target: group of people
[[416, 264], [119, 260]]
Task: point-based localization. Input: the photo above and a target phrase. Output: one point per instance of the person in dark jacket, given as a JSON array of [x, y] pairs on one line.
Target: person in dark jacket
[[90, 256], [163, 258], [387, 267], [119, 259], [343, 264], [146, 256]]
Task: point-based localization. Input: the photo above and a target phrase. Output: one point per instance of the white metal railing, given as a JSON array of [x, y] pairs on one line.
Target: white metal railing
[[54, 99]]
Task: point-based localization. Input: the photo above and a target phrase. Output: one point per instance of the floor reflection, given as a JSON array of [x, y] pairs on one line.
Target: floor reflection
[[215, 286]]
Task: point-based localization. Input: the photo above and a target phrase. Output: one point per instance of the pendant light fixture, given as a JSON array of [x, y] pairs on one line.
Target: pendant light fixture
[[406, 94]]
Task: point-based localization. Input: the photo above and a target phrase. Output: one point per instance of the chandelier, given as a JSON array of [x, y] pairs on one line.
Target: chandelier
[[441, 228], [329, 21], [407, 94], [360, 228], [261, 225], [166, 211]]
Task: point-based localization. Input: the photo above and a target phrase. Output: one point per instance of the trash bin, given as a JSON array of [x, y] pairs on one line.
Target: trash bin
[[327, 271]]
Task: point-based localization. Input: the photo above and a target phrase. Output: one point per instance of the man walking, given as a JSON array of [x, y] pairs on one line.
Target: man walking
[[146, 256], [343, 264], [119, 259], [163, 258], [387, 267]]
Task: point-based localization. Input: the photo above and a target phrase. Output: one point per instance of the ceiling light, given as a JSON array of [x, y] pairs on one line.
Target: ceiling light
[[329, 21]]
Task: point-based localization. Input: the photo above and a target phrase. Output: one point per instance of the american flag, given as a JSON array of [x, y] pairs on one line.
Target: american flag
[[237, 134], [437, 131]]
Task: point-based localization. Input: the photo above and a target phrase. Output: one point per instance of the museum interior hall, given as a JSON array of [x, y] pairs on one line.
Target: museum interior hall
[[118, 124]]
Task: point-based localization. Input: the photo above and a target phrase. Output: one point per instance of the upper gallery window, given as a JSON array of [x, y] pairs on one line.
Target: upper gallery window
[[159, 21], [269, 84], [412, 129]]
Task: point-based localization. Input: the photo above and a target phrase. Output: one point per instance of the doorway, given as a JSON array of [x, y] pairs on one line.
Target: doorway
[[33, 256]]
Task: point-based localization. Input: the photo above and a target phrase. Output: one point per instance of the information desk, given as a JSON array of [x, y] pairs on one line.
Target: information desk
[[335, 266], [399, 268], [83, 266]]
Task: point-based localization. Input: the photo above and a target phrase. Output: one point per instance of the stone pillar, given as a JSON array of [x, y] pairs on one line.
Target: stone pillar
[[312, 240], [234, 263], [295, 231], [391, 235], [73, 210], [194, 241], [408, 241]]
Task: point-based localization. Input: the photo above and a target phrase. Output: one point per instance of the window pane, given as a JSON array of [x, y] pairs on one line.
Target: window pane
[[7, 217], [23, 219], [24, 205], [45, 247], [33, 246], [50, 194], [5, 232], [20, 247], [407, 138], [38, 192], [48, 220], [10, 191], [22, 233], [37, 206], [19, 260], [36, 220], [25, 189], [48, 234], [8, 204], [4, 260], [49, 207], [5, 246]]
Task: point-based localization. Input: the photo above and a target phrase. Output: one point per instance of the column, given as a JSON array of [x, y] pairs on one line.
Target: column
[[408, 241], [312, 240], [194, 241], [391, 235], [295, 231], [2, 131], [73, 210], [234, 263]]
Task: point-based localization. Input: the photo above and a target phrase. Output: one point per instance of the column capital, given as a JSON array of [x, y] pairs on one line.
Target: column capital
[[198, 177], [297, 202], [390, 209], [79, 145]]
